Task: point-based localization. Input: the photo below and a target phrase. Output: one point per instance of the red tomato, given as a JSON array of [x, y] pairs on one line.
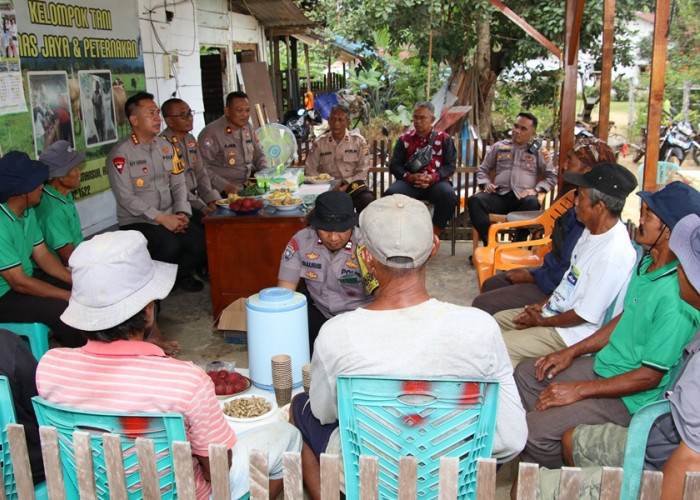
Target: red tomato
[[228, 389], [219, 389], [223, 374]]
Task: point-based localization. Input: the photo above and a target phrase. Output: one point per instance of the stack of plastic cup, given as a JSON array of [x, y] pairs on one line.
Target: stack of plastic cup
[[306, 376]]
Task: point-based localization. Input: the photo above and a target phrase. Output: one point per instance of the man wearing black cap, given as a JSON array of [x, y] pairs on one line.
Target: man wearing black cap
[[56, 213], [636, 351], [325, 256], [600, 265], [29, 295]]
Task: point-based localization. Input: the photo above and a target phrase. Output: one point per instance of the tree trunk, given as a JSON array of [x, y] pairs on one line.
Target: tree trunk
[[487, 78]]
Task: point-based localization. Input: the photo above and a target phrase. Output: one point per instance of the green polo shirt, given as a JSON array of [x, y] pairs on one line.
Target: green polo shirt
[[18, 237], [58, 219], [655, 326]]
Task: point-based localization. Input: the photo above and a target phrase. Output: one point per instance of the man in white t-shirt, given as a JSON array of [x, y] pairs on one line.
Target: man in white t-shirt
[[402, 333], [601, 263]]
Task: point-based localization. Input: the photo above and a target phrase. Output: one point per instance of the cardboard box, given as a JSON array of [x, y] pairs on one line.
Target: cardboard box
[[232, 322]]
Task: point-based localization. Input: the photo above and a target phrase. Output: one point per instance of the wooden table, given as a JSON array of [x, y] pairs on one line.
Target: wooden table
[[244, 253]]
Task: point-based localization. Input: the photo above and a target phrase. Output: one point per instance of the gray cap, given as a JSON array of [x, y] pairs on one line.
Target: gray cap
[[61, 158], [685, 243], [398, 231]]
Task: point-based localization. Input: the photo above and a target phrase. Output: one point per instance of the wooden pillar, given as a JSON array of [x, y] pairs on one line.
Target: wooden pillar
[[568, 98], [278, 76], [606, 74], [656, 93], [308, 67]]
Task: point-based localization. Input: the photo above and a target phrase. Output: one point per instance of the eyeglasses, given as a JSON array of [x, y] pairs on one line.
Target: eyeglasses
[[184, 116]]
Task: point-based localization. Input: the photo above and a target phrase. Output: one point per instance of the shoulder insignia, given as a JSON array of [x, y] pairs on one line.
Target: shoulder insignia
[[229, 130], [505, 147], [174, 139], [312, 256], [208, 142], [257, 139], [192, 144], [119, 163], [349, 246], [135, 139], [365, 150], [291, 249], [351, 264], [546, 154], [311, 274]]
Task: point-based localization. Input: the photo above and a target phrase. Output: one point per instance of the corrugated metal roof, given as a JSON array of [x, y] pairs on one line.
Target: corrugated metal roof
[[272, 13]]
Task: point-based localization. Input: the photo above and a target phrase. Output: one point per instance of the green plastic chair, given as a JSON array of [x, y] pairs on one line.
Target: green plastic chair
[[8, 416], [36, 334], [424, 418], [636, 444], [162, 428]]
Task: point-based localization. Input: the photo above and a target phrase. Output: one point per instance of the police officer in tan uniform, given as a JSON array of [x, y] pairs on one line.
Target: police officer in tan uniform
[[202, 196], [148, 183], [343, 155], [229, 148], [325, 256], [518, 162]]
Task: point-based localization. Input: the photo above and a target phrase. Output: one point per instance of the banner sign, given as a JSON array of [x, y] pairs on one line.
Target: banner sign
[[80, 61]]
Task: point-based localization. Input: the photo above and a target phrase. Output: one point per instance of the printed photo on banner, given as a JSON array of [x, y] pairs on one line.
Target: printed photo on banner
[[97, 107], [50, 102]]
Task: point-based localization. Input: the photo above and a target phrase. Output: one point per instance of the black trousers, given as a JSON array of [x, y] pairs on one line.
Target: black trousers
[[441, 195], [22, 308], [482, 204], [188, 250]]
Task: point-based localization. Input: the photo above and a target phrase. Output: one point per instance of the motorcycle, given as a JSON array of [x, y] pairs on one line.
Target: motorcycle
[[696, 147], [617, 142], [677, 142], [300, 122]]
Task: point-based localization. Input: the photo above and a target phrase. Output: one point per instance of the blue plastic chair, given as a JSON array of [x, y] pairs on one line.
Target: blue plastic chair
[[424, 418], [637, 435], [36, 334], [662, 171], [8, 416], [162, 428]]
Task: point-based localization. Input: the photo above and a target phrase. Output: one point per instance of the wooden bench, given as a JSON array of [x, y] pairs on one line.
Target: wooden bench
[[293, 485]]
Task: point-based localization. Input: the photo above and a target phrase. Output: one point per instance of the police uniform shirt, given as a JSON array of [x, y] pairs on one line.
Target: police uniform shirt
[[346, 160], [230, 154], [199, 189], [517, 169], [334, 281], [147, 180]]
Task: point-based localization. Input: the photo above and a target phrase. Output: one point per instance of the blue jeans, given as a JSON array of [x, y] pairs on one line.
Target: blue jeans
[[441, 195]]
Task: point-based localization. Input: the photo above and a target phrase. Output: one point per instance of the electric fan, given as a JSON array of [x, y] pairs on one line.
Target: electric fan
[[278, 144]]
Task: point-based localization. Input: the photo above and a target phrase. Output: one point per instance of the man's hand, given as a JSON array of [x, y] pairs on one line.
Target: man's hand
[[558, 394], [531, 316], [528, 192], [209, 209], [554, 363], [421, 181], [184, 223], [231, 189], [519, 275], [170, 222], [490, 188]]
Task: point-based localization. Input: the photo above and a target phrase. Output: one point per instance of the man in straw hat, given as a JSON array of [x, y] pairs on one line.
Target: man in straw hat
[[325, 256], [403, 333], [522, 286], [636, 351], [673, 445], [115, 286], [29, 294]]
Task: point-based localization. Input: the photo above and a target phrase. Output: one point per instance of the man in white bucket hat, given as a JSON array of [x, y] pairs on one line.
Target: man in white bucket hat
[[115, 286]]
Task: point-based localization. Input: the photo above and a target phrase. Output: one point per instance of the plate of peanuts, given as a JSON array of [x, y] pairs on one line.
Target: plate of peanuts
[[248, 408]]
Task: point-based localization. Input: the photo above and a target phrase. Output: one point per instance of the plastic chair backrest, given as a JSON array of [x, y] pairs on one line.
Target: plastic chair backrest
[[162, 428], [637, 435], [8, 416], [37, 335], [424, 418], [661, 171]]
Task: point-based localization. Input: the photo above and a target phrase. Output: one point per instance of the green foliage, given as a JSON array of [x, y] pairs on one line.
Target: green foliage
[[621, 88], [402, 116]]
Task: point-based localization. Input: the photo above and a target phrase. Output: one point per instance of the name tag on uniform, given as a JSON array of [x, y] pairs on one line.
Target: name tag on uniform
[[349, 280]]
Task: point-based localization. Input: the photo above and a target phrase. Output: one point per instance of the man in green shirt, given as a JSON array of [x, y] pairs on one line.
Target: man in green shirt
[[636, 351], [29, 295], [56, 213]]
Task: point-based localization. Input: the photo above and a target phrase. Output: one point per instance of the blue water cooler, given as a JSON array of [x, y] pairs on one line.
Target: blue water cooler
[[277, 324]]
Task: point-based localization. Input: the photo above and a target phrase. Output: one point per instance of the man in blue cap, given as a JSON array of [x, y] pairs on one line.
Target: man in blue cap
[[636, 351], [29, 295]]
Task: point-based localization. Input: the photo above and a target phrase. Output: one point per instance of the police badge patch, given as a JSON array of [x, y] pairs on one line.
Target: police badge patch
[[208, 142], [119, 163], [291, 249]]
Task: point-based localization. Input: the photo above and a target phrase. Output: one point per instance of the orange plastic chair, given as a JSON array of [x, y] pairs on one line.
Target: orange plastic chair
[[504, 256]]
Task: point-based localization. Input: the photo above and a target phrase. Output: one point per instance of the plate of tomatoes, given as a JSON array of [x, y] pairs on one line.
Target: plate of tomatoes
[[246, 206], [228, 383]]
